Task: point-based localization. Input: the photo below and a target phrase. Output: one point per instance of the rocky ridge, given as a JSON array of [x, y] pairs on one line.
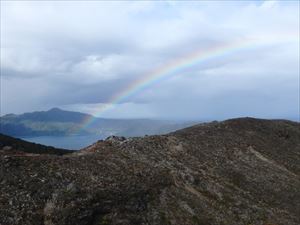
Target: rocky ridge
[[241, 171]]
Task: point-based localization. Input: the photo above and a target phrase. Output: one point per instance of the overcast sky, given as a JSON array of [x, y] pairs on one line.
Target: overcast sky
[[77, 55]]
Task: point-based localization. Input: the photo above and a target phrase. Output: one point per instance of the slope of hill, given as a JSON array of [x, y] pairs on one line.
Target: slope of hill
[[57, 122], [9, 144], [241, 171]]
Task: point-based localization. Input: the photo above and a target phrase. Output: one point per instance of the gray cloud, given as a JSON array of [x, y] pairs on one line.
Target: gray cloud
[[78, 55]]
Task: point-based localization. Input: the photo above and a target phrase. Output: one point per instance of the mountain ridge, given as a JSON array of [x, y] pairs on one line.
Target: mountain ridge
[[240, 171], [58, 122]]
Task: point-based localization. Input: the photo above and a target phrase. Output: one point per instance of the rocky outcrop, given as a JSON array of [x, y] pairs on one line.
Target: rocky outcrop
[[241, 171]]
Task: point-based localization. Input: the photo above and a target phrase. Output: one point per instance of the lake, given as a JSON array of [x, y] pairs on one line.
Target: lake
[[67, 142]]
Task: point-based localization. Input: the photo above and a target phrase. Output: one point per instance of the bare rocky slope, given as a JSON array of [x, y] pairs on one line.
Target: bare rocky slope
[[241, 171]]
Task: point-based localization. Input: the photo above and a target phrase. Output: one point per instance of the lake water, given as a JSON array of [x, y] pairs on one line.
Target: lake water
[[68, 142]]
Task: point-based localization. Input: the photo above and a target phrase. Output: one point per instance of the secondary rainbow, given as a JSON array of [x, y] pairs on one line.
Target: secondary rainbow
[[174, 68]]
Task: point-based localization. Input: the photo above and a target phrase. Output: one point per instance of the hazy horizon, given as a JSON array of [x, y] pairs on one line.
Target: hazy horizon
[[164, 60], [200, 120]]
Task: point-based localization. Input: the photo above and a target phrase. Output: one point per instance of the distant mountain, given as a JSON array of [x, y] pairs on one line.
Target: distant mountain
[[57, 122], [52, 122], [236, 172], [52, 115]]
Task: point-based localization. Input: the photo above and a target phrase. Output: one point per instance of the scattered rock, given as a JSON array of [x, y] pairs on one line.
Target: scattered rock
[[242, 171]]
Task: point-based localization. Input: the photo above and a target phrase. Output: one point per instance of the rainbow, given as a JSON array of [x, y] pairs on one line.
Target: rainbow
[[173, 68]]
